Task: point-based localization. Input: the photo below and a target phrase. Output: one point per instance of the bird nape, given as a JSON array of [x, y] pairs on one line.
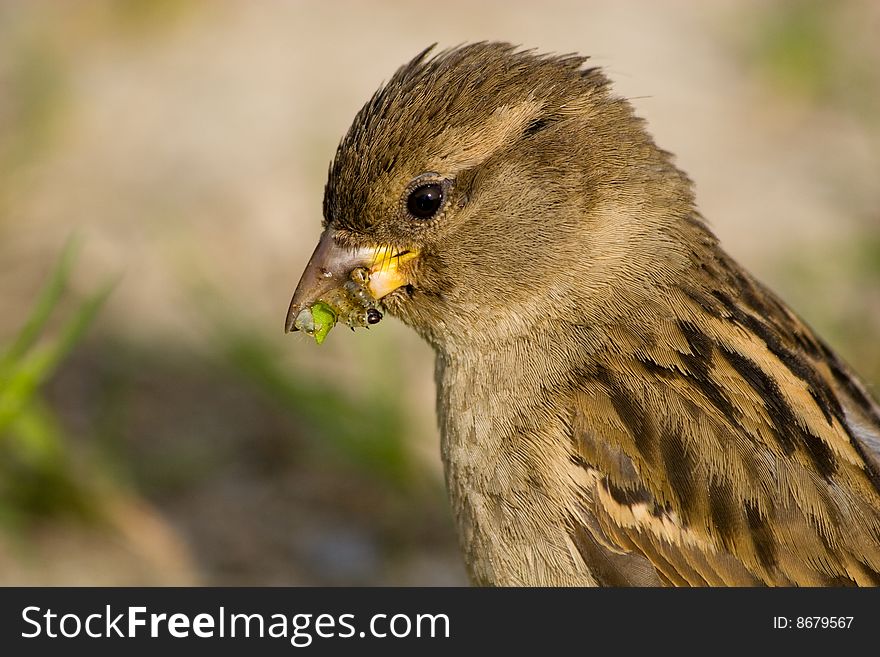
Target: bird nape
[[619, 401]]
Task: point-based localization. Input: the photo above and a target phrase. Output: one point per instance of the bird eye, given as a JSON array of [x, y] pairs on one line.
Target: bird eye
[[425, 201]]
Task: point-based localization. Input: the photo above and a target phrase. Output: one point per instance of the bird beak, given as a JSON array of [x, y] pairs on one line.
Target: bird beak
[[331, 265]]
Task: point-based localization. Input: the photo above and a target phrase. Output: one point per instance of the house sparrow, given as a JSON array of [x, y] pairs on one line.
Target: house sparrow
[[620, 402]]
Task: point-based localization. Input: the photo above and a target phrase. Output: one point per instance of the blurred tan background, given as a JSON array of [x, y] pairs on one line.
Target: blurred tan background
[[183, 438]]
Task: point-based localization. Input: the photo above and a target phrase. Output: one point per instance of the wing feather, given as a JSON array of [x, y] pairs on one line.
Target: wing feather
[[731, 448]]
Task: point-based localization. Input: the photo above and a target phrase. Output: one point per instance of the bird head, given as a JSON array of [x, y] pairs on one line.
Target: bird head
[[489, 190]]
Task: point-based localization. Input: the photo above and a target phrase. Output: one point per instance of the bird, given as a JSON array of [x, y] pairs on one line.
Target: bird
[[620, 403]]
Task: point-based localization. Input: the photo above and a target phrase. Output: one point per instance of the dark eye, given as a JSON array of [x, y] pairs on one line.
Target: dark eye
[[424, 201]]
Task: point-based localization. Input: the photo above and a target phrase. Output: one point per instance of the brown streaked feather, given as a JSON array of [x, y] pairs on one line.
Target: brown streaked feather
[[724, 452], [612, 565]]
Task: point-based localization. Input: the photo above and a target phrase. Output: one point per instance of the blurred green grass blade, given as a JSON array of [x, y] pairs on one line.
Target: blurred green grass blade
[[47, 300], [21, 385], [37, 479], [24, 376], [76, 326], [38, 437]]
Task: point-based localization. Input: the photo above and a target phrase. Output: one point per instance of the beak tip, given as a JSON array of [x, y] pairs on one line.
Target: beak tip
[[290, 320], [290, 324]]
